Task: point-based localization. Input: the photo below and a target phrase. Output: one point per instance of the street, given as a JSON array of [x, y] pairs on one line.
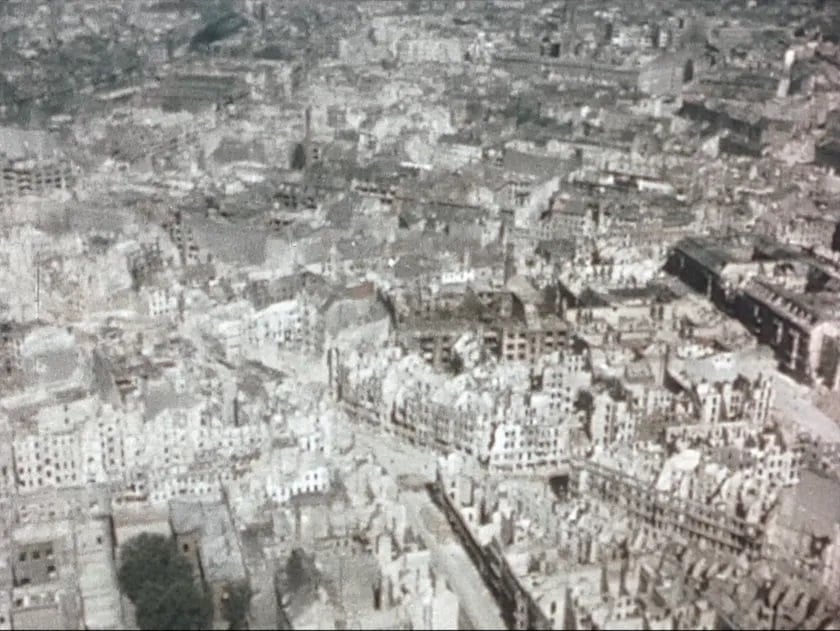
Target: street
[[448, 556], [793, 403]]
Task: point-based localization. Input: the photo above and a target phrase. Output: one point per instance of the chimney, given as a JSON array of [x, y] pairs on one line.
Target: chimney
[[509, 262], [307, 134]]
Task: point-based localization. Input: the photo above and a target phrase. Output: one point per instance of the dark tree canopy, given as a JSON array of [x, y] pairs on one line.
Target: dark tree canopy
[[176, 605], [218, 29], [159, 581], [236, 605], [298, 158], [149, 557], [300, 569], [301, 575]]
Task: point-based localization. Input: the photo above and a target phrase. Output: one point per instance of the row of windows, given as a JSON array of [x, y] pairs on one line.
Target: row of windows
[[40, 481], [35, 555], [59, 465], [54, 441], [283, 335], [512, 448]]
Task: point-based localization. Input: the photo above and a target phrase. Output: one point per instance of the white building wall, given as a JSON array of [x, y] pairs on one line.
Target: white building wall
[[162, 302], [48, 460]]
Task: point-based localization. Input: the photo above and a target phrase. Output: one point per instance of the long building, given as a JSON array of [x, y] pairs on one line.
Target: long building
[[515, 324], [691, 521], [33, 177], [508, 340], [803, 329], [517, 603], [795, 317]]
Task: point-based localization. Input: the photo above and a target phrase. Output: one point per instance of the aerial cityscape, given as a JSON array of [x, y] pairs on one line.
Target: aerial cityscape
[[420, 314]]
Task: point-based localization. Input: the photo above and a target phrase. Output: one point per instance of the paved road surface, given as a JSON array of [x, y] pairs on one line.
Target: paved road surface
[[793, 403], [448, 556], [398, 459], [452, 561]]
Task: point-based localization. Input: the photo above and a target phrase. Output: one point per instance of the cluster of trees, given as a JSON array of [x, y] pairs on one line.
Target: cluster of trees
[[159, 582], [236, 605]]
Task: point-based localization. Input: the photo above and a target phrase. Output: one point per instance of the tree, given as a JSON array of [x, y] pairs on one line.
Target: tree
[[694, 33], [177, 605], [526, 111], [236, 604], [149, 557], [159, 581], [301, 570], [584, 402], [300, 575], [456, 363], [298, 158]]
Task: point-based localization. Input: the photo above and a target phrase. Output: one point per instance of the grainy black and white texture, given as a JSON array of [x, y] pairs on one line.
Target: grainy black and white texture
[[419, 314]]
